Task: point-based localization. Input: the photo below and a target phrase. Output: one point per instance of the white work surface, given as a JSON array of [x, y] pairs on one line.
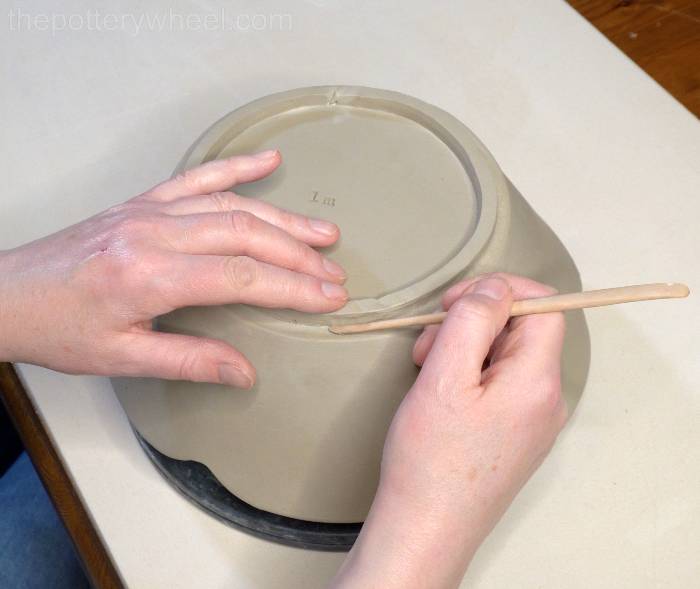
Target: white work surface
[[608, 158]]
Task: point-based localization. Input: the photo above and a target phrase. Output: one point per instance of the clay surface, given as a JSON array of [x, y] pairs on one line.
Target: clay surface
[[421, 203], [388, 181]]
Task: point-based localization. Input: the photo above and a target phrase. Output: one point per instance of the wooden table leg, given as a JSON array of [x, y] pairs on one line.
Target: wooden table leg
[[95, 559]]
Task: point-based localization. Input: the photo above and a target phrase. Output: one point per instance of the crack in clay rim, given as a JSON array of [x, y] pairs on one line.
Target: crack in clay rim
[[482, 170]]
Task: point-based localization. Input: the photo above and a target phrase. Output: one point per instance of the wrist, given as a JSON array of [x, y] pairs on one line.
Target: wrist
[[404, 545]]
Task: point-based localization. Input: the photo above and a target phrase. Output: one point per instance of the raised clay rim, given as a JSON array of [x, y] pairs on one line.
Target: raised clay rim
[[487, 179]]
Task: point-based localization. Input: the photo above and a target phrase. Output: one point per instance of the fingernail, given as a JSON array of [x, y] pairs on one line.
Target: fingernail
[[324, 227], [335, 269], [334, 291], [232, 375], [265, 155], [494, 288]]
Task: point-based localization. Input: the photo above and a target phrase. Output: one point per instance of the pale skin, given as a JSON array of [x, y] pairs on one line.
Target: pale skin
[[481, 416]]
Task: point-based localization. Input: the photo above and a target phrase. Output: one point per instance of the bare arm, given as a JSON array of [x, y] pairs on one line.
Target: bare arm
[[83, 300], [464, 440]]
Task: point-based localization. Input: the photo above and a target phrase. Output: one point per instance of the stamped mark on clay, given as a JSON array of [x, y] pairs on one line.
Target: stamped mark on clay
[[316, 197]]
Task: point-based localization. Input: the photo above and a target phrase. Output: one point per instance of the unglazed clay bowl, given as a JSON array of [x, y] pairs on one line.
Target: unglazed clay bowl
[[421, 203]]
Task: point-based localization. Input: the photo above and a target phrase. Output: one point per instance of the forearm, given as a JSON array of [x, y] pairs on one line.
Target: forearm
[[19, 312], [409, 547], [6, 308]]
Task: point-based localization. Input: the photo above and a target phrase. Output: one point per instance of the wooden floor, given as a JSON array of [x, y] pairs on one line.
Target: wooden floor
[[661, 36]]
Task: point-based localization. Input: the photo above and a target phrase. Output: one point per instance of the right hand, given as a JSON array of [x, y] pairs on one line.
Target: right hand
[[480, 418], [83, 300]]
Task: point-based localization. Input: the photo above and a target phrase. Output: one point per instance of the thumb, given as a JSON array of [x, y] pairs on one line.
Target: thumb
[[184, 357], [466, 335]]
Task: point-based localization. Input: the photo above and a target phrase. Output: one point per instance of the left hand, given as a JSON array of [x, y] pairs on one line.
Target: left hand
[[83, 300]]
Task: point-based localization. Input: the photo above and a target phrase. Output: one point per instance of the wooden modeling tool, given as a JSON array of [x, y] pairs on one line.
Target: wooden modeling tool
[[561, 302]]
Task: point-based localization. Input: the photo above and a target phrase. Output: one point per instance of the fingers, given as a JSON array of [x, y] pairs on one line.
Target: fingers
[[316, 232], [521, 287], [527, 359], [182, 357], [463, 341], [536, 340], [424, 343], [534, 343], [204, 189], [220, 280], [240, 233], [216, 175]]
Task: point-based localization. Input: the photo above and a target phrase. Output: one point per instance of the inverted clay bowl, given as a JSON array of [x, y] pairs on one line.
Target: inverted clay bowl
[[421, 203]]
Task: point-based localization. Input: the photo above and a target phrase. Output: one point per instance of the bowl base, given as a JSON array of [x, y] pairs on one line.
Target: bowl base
[[197, 483]]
